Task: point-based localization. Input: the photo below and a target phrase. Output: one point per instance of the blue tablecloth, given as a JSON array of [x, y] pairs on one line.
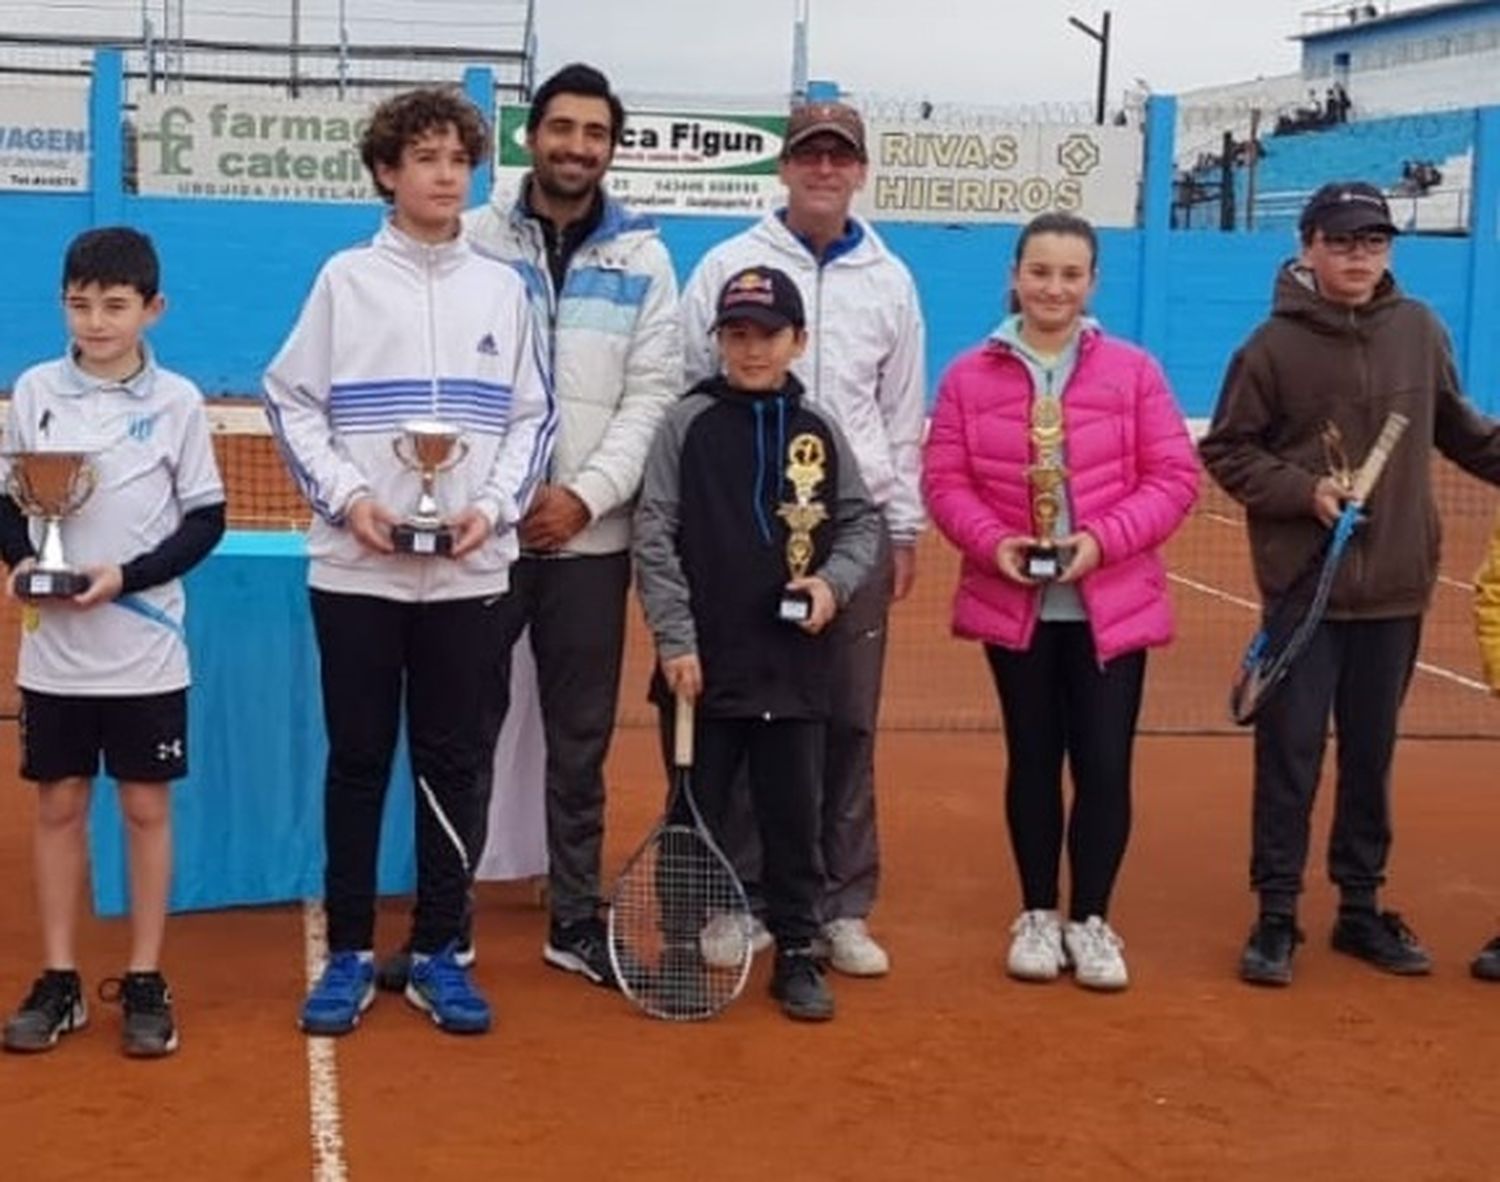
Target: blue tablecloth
[[248, 820]]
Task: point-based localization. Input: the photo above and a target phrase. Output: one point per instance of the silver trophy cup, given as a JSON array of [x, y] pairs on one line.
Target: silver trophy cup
[[427, 447], [51, 485]]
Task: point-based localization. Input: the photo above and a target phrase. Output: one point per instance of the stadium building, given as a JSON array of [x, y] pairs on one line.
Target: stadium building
[[1384, 91]]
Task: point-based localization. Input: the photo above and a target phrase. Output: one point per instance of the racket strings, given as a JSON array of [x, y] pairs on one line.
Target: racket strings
[[680, 927]]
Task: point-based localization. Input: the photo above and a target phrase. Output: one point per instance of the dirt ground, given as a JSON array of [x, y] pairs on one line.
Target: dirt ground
[[946, 1069]]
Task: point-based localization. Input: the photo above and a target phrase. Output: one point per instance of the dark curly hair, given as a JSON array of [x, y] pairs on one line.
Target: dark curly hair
[[406, 117]]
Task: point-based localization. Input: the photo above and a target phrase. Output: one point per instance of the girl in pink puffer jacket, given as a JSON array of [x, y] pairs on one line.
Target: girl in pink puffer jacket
[[1065, 618]]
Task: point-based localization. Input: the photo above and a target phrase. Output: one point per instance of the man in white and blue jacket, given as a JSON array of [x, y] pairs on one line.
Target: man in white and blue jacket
[[603, 284]]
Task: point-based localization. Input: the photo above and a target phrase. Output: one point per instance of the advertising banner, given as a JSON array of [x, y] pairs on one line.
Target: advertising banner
[[251, 148], [931, 172], [673, 162], [44, 139]]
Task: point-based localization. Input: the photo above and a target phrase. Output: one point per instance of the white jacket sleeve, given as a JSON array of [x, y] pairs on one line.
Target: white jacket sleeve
[[699, 297], [297, 389], [902, 399], [521, 460], [611, 475]]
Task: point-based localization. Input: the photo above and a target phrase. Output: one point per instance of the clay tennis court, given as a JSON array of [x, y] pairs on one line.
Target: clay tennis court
[[946, 1069]]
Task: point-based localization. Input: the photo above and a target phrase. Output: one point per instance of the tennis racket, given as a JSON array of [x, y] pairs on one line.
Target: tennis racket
[[1296, 613], [672, 886]]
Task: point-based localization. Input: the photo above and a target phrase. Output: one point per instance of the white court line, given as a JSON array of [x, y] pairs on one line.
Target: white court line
[[322, 1066], [1214, 592], [1223, 596]]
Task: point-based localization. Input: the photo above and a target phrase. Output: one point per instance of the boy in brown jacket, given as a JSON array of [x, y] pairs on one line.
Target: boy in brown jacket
[[1304, 399]]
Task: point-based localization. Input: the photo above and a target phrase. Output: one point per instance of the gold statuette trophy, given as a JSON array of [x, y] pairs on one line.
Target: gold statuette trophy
[[430, 446], [1045, 560], [51, 485], [805, 470]]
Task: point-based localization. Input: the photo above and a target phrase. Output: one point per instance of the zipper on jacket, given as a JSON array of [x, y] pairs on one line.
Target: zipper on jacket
[[817, 390], [538, 249], [432, 361], [425, 570]]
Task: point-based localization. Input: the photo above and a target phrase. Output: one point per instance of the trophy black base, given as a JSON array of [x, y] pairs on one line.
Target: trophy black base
[[1043, 564], [795, 607], [422, 539], [51, 584]]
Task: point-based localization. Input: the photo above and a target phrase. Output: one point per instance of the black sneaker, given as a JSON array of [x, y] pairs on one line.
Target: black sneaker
[[149, 1031], [392, 973], [580, 947], [1382, 940], [1267, 959], [54, 1007], [1486, 966], [798, 985]]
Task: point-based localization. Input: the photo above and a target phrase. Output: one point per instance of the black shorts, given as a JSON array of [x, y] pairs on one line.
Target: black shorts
[[143, 737]]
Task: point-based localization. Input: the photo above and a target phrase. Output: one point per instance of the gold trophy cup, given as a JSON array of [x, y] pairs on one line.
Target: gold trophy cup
[[427, 447], [51, 485]]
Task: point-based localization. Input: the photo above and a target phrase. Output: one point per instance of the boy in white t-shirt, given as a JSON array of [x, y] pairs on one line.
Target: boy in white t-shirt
[[105, 671]]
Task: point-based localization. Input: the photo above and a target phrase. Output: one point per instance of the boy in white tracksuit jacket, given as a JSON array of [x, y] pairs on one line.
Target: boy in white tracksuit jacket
[[864, 368], [415, 325]]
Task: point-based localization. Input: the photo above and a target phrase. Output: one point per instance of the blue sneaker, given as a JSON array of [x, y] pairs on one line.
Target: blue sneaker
[[440, 985], [342, 994]]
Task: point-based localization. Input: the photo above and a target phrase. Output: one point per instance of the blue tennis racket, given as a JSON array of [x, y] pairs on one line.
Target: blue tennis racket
[[1293, 618]]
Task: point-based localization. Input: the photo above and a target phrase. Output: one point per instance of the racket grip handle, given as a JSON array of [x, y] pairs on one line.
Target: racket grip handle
[[682, 733]]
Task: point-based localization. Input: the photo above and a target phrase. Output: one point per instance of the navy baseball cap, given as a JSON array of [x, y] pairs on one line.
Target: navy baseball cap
[[1346, 207], [762, 294]]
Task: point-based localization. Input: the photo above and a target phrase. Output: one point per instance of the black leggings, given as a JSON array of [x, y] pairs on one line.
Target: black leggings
[[1056, 700], [440, 665]]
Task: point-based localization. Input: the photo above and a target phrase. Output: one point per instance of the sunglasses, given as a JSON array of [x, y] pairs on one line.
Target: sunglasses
[[1369, 241], [841, 155]]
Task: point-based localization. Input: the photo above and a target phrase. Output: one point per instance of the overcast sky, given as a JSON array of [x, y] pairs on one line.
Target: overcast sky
[[976, 51], [984, 51]]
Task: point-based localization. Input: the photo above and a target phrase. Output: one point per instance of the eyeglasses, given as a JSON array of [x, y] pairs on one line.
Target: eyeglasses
[[839, 155], [1369, 241]]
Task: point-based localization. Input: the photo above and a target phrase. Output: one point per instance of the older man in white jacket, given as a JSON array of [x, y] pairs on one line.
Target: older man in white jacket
[[864, 367]]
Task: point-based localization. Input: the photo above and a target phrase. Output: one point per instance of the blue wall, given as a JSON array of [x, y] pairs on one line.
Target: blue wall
[[235, 274]]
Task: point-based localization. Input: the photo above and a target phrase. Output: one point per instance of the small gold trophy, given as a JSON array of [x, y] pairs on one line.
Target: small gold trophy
[[51, 485], [806, 469], [431, 446], [1045, 560]]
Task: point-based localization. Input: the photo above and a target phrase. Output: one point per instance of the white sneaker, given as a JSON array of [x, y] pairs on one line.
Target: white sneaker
[[1036, 949], [1095, 952], [722, 940], [852, 950]]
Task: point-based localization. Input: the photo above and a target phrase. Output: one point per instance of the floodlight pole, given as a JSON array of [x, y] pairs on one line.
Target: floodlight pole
[[343, 52], [292, 47], [799, 50], [1101, 37]]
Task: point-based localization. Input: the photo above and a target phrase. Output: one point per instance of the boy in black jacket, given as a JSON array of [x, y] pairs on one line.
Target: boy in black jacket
[[753, 528]]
